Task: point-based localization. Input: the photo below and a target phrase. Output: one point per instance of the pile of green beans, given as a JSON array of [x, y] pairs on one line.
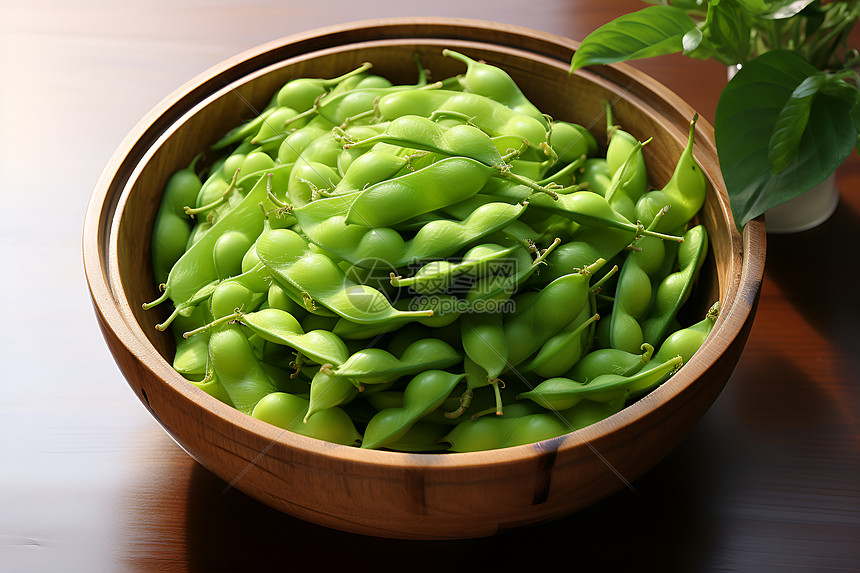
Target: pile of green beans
[[432, 267]]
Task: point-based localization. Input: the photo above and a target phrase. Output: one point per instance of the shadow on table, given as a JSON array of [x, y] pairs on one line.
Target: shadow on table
[[667, 522], [817, 272]]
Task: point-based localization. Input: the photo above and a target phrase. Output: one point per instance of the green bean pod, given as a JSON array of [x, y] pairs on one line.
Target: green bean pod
[[293, 145], [361, 246], [684, 343], [231, 295], [594, 172], [274, 124], [437, 276], [622, 192], [571, 141], [553, 309], [317, 277], [308, 180], [564, 349], [244, 130], [624, 151], [610, 361], [422, 437], [684, 194], [495, 432], [586, 246], [633, 294], [589, 412], [370, 168], [589, 209], [375, 365], [564, 393], [288, 412], [192, 354], [495, 83], [489, 293], [300, 94], [490, 116], [423, 393], [675, 289], [395, 200], [484, 342], [172, 227], [329, 390], [319, 346], [234, 363], [421, 133], [196, 268], [446, 309], [228, 252], [351, 105], [277, 297]]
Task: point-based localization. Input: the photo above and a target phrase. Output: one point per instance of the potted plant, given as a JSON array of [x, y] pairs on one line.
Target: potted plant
[[789, 116]]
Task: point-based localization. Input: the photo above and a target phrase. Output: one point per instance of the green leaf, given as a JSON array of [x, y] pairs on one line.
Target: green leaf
[[747, 113], [775, 9], [652, 31], [688, 5], [727, 31], [692, 40], [787, 8], [791, 123], [755, 6]]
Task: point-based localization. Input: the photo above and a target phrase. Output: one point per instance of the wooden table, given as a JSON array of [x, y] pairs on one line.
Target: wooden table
[[769, 480]]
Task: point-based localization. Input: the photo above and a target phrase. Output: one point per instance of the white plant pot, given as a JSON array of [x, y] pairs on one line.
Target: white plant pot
[[805, 211]]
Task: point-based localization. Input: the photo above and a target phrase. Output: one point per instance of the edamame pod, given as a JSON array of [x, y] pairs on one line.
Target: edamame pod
[[495, 83], [375, 366], [319, 346], [684, 194], [320, 279], [196, 268], [554, 308], [287, 411], [564, 393], [237, 368], [675, 289], [423, 394], [494, 432]]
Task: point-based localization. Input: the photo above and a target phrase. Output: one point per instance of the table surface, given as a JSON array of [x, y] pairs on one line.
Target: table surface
[[767, 481]]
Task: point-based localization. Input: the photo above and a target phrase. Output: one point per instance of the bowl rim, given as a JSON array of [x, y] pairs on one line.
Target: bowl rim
[[108, 298]]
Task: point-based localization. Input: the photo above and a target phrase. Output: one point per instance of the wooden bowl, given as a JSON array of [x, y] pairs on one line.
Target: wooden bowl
[[388, 494]]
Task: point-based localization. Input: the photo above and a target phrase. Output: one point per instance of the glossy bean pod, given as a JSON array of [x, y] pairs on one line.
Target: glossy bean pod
[[318, 278], [362, 246], [563, 393], [236, 366], [288, 412], [495, 83], [318, 346], [554, 307], [495, 432], [375, 365], [493, 117], [395, 200], [684, 194], [196, 268], [424, 393], [674, 290], [172, 227], [610, 361]]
